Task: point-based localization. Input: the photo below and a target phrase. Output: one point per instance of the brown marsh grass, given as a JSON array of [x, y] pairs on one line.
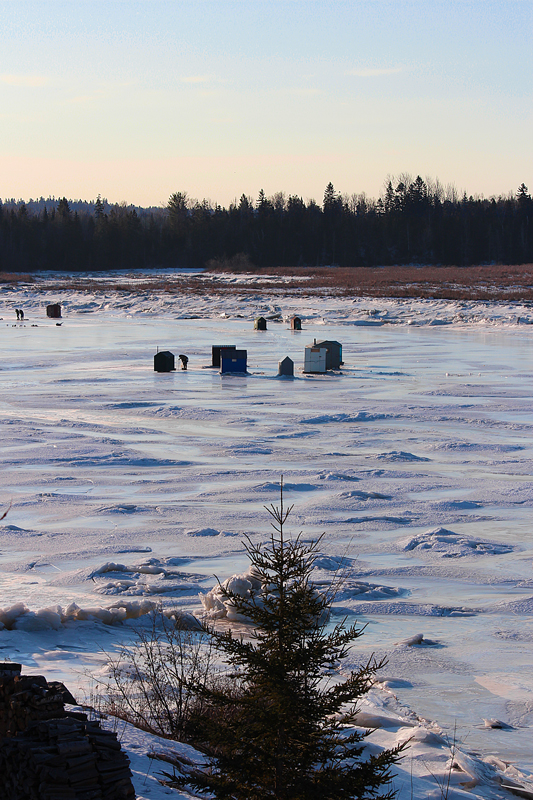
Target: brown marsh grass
[[494, 282], [491, 282], [15, 277]]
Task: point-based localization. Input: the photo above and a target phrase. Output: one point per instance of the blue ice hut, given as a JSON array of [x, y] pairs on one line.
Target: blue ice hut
[[233, 361], [333, 355], [53, 311], [260, 324], [164, 361], [216, 350], [286, 367]]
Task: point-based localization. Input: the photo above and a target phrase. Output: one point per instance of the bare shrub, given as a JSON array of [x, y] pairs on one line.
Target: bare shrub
[[152, 681]]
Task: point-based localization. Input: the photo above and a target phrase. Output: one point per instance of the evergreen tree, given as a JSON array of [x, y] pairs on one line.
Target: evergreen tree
[[331, 198], [522, 194], [63, 208], [99, 210], [284, 731]]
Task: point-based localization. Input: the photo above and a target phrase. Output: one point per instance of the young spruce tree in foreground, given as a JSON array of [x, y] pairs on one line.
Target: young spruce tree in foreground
[[285, 733]]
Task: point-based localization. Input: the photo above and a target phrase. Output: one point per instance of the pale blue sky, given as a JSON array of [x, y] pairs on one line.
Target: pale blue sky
[[135, 100]]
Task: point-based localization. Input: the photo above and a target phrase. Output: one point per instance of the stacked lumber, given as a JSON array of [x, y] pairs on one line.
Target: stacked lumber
[[49, 753], [64, 759], [28, 698]]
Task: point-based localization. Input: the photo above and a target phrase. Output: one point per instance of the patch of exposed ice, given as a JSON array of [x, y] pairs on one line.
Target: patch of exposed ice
[[361, 416], [416, 640], [360, 495], [384, 520], [203, 532], [480, 447], [399, 455], [271, 488], [333, 563], [367, 591], [411, 609]]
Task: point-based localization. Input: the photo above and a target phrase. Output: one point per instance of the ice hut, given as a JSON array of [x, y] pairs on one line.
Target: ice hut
[[260, 324], [53, 310], [334, 353], [296, 324], [286, 367], [315, 359], [233, 361], [164, 361], [215, 352]]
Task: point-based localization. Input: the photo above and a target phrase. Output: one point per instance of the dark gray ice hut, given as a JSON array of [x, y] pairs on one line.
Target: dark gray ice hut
[[333, 355], [216, 349], [164, 361], [296, 324], [53, 311], [233, 361], [286, 367], [260, 324]]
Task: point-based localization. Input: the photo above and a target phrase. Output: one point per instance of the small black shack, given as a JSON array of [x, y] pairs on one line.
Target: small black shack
[[53, 310], [164, 361], [215, 352], [260, 324]]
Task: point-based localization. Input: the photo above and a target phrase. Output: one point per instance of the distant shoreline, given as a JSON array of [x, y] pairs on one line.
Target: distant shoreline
[[506, 283]]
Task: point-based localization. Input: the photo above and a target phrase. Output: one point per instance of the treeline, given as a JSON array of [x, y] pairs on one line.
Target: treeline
[[413, 222]]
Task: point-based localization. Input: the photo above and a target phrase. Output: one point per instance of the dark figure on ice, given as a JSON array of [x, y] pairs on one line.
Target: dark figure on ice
[[21, 312], [184, 361], [17, 312]]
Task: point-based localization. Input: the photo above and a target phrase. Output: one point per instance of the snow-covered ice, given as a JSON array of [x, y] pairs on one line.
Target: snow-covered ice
[[126, 489]]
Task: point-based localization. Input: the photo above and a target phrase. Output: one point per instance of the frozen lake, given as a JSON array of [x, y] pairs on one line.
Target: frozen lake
[[415, 461]]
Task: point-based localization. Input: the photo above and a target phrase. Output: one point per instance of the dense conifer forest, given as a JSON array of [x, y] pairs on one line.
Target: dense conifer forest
[[413, 222]]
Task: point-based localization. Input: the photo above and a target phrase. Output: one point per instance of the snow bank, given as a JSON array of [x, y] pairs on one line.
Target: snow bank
[[151, 577], [447, 544], [337, 476], [20, 617], [218, 605]]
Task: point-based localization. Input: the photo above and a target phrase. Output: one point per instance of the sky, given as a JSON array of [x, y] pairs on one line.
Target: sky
[[137, 99]]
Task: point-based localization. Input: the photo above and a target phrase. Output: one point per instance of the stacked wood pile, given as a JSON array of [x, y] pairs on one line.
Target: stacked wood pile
[[27, 698], [64, 759], [48, 753]]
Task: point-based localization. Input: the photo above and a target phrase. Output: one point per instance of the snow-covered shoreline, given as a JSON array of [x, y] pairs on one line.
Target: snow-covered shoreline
[[315, 306]]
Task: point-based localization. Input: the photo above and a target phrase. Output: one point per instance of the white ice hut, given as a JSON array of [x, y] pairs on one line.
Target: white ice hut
[[315, 359]]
